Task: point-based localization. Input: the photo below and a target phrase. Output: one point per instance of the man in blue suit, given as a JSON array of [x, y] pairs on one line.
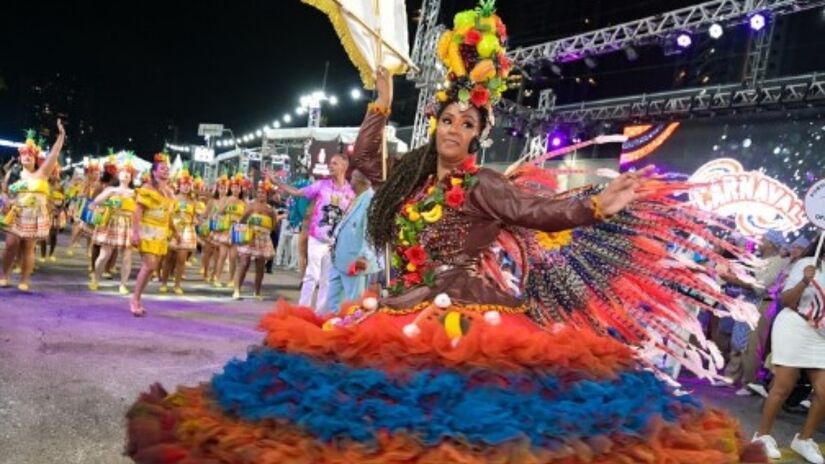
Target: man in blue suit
[[351, 250]]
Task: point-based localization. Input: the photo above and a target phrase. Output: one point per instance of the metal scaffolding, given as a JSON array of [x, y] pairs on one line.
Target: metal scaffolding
[[423, 55], [614, 38], [647, 30], [807, 89]]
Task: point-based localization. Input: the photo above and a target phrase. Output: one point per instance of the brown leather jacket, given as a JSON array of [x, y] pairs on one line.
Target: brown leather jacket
[[459, 238]]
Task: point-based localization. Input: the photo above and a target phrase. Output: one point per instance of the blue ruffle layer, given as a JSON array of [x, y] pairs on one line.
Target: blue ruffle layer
[[333, 400]]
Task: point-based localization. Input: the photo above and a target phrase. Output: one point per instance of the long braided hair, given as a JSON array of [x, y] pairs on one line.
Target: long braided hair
[[407, 174]]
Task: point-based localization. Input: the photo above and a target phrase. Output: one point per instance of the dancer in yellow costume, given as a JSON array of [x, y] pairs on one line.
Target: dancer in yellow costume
[[260, 219], [89, 188], [57, 201], [185, 241], [151, 226], [114, 231], [210, 247], [231, 209], [27, 218]]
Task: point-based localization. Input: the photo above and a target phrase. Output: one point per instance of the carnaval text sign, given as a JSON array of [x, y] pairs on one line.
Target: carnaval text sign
[[815, 204], [757, 202]]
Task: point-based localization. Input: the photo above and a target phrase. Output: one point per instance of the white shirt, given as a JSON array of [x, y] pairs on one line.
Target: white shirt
[[812, 302]]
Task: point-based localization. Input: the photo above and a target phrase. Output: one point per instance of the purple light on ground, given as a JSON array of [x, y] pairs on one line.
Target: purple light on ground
[[757, 22]]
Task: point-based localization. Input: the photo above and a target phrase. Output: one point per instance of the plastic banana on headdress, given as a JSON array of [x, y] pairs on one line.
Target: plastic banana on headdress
[[476, 61], [30, 146]]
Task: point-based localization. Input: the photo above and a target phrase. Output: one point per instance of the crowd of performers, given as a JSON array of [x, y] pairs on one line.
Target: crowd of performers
[[167, 220]]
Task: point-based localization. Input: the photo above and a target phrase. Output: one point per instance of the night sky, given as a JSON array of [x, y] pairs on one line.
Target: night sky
[[151, 71]]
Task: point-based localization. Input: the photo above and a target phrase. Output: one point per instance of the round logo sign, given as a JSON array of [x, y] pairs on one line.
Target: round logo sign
[[815, 204]]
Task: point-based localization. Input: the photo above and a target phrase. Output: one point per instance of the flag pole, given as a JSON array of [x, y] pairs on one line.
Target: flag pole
[[379, 54]]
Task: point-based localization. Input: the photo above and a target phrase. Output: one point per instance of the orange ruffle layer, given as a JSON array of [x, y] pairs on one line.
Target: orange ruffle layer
[[184, 428], [517, 343]]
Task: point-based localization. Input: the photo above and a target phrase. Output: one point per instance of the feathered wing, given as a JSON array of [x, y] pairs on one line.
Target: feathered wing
[[622, 276]]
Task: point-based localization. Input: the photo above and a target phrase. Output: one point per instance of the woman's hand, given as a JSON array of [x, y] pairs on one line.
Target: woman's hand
[[60, 129], [135, 238], [621, 191], [383, 85], [808, 274]]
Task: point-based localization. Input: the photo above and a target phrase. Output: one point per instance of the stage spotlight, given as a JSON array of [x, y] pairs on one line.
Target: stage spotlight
[[590, 62], [684, 40], [556, 69], [757, 22], [716, 30], [555, 141]]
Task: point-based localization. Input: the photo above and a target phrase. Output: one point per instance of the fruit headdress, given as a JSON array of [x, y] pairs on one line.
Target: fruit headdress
[[476, 61], [30, 146], [161, 157], [183, 176], [128, 166], [241, 180], [266, 186]]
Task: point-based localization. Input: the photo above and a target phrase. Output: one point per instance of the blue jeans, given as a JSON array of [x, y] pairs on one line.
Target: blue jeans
[[343, 288]]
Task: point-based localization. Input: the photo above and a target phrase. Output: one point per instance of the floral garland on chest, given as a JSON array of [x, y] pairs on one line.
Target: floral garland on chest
[[412, 263]]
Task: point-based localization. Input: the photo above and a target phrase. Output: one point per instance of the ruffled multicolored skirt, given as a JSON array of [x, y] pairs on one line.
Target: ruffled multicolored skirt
[[188, 238], [29, 217], [116, 233], [259, 247], [506, 392]]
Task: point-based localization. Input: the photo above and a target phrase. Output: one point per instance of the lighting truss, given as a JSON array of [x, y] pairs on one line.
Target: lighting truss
[[795, 91], [649, 29]]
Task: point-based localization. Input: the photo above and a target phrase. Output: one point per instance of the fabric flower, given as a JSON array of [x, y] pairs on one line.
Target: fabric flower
[[455, 197], [416, 255], [479, 96], [472, 37], [456, 181], [352, 270], [469, 164], [412, 278], [411, 267]]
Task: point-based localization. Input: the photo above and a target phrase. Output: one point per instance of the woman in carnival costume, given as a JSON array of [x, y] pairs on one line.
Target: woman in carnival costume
[[260, 220], [213, 223], [57, 201], [230, 211], [26, 219], [185, 241], [152, 225], [114, 233], [89, 188], [513, 328]]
